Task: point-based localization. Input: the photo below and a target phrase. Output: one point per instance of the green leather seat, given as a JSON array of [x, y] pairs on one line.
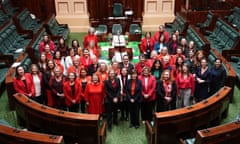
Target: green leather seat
[[134, 28], [116, 28], [117, 10]]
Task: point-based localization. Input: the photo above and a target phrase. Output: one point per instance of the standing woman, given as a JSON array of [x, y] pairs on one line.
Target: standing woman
[[94, 95], [112, 88], [147, 45], [43, 62], [185, 87], [23, 82], [148, 93], [166, 92], [62, 47], [46, 77], [218, 76], [134, 96], [83, 79], [72, 91], [157, 69], [124, 77], [202, 81], [38, 83], [56, 85]]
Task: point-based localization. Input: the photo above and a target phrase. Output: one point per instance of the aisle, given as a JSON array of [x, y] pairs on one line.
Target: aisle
[[122, 134]]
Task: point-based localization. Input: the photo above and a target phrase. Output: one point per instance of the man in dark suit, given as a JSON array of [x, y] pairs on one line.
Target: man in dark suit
[[112, 88]]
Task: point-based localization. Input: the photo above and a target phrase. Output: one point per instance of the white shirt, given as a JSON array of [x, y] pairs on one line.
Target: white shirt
[[37, 85]]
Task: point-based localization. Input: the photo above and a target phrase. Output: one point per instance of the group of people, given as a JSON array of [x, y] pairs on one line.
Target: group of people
[[169, 74]]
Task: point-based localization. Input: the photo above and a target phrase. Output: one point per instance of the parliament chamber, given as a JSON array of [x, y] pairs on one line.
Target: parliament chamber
[[213, 25]]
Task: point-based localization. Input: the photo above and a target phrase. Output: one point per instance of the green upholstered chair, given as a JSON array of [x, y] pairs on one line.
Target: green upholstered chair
[[117, 10], [134, 28], [102, 28], [116, 28]]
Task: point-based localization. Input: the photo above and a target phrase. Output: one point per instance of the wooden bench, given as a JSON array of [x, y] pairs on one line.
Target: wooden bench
[[75, 127], [226, 133], [55, 29], [169, 126], [179, 23], [9, 135]]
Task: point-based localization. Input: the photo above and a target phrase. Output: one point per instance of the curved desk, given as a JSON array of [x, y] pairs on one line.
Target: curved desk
[[184, 122], [75, 127], [9, 135]]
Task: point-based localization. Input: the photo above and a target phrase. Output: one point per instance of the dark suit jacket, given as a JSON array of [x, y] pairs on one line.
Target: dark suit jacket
[[161, 94], [138, 91], [130, 66], [110, 91]]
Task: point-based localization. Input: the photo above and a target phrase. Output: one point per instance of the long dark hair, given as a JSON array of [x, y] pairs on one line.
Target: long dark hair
[[16, 71]]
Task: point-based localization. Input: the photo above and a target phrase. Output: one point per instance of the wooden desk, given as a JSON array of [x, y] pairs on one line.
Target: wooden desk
[[184, 122], [129, 51], [9, 135], [227, 133], [75, 127]]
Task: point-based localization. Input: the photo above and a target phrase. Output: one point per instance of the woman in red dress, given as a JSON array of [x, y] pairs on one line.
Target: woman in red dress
[[94, 95]]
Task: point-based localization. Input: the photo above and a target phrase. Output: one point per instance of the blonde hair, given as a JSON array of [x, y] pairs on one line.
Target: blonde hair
[[170, 76]]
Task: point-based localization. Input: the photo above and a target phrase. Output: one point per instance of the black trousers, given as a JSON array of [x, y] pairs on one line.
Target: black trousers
[[134, 113], [112, 113], [39, 99], [147, 110], [83, 106], [73, 108], [124, 109]]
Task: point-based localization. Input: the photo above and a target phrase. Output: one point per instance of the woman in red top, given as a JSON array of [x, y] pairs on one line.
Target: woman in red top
[[23, 82], [83, 79], [148, 93], [147, 45], [102, 71], [94, 95], [58, 61], [185, 87], [72, 91], [86, 60]]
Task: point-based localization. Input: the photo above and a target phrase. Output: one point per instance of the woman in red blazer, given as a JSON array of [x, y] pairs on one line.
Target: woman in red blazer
[[147, 45], [72, 92], [148, 93], [23, 82]]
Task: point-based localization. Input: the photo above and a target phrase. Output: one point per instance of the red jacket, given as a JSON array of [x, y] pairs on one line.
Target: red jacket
[[42, 45], [143, 46], [139, 66], [149, 89], [85, 62], [88, 38], [185, 83], [94, 95], [19, 85], [165, 33], [68, 92]]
